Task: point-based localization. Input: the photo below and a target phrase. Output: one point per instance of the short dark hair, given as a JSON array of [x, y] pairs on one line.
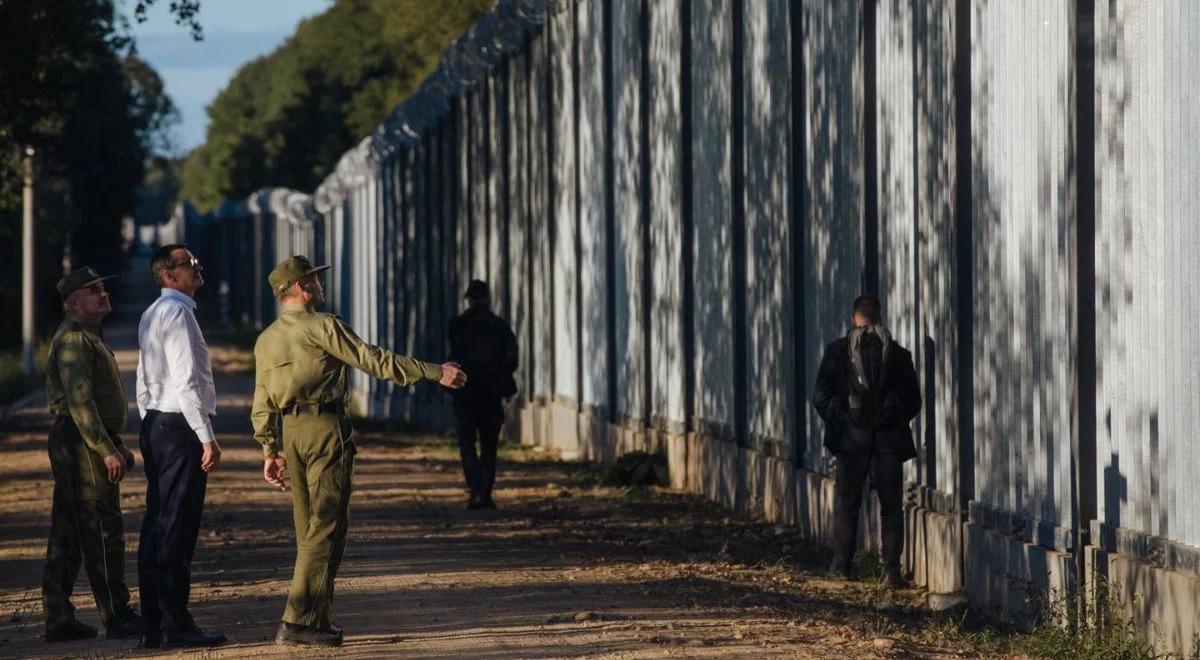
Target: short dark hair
[[869, 307], [162, 258]]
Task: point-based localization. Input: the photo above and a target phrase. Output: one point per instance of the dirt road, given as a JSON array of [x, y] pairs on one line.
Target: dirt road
[[565, 567]]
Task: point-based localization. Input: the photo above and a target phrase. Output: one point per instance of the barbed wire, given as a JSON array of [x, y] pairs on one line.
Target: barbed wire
[[466, 63]]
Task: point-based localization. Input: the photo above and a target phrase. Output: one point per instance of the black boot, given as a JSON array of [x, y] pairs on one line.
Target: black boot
[[292, 634], [193, 636], [127, 624]]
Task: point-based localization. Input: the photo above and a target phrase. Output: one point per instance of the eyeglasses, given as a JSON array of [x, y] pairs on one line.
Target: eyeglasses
[[193, 262]]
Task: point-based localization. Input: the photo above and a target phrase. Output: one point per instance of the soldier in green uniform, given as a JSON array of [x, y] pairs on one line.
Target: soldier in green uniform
[[87, 400], [299, 417]]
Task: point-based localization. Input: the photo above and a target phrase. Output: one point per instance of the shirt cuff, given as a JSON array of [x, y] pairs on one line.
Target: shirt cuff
[[432, 371], [205, 433], [269, 447]]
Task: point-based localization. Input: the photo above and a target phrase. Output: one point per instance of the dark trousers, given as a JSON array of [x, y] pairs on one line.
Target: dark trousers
[[86, 529], [174, 504], [887, 477], [479, 419]]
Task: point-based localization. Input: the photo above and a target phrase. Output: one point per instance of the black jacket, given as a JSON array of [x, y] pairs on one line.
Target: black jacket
[[486, 347], [899, 383]]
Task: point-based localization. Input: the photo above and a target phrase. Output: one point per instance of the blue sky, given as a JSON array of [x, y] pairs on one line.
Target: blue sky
[[235, 32]]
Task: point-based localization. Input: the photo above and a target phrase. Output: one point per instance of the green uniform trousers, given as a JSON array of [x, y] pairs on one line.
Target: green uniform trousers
[[320, 461], [85, 529]]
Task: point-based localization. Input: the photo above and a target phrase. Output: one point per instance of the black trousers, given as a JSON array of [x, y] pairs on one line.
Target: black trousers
[[174, 504], [479, 419], [887, 477]]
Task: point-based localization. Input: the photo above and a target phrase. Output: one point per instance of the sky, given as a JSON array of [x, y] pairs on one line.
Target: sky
[[235, 32]]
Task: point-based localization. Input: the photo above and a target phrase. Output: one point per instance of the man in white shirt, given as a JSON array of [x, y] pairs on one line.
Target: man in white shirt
[[176, 400]]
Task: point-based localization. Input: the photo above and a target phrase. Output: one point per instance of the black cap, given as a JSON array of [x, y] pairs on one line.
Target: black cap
[[80, 278], [477, 290]]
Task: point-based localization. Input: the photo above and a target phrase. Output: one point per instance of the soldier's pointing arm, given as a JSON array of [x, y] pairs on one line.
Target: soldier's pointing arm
[[75, 360], [340, 341]]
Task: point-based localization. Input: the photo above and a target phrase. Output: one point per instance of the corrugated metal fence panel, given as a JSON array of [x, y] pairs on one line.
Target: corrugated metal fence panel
[[593, 205], [494, 219], [666, 245], [1182, 401], [385, 200], [520, 306], [426, 319], [357, 223], [1024, 246], [833, 188], [937, 283], [478, 201], [895, 117], [462, 176], [563, 172], [712, 203], [767, 101], [629, 259], [1147, 237], [542, 349], [397, 245]]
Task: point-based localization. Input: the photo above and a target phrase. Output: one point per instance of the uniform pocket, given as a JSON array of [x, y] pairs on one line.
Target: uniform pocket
[[346, 435], [93, 478]]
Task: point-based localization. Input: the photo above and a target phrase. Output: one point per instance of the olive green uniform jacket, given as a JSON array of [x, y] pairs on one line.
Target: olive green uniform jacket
[[85, 395], [300, 395]]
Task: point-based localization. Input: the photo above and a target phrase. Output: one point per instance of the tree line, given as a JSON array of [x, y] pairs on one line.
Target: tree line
[[285, 119]]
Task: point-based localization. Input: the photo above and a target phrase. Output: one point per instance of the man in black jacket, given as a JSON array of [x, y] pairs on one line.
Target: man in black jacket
[[486, 347], [867, 393]]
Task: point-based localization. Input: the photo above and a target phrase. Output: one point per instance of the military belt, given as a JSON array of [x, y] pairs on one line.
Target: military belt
[[315, 409]]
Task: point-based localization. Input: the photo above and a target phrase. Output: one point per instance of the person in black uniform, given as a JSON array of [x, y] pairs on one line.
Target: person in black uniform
[[486, 348], [867, 393]]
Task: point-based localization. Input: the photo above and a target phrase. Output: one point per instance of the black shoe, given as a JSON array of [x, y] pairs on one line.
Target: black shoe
[[476, 502], [151, 641], [193, 636], [291, 634], [487, 502], [71, 631], [125, 626]]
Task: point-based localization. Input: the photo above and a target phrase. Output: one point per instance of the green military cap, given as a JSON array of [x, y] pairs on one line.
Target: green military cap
[[80, 278], [291, 270]]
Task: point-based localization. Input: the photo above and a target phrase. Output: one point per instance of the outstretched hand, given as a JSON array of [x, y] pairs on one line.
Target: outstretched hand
[[453, 376], [274, 468]]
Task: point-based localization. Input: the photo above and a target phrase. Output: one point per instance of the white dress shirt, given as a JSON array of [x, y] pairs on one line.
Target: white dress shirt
[[174, 374]]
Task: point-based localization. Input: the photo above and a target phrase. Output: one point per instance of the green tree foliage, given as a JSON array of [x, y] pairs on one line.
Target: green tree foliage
[[185, 12], [93, 114], [286, 118]]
